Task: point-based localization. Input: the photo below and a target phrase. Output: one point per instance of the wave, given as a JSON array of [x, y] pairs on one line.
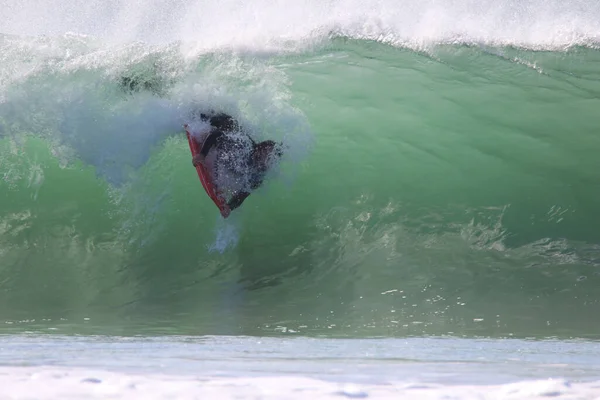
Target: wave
[[446, 189]]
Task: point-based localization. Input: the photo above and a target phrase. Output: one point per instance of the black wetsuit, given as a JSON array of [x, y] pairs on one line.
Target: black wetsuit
[[231, 148], [235, 148]]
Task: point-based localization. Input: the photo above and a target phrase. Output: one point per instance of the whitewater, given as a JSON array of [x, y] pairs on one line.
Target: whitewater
[[431, 230]]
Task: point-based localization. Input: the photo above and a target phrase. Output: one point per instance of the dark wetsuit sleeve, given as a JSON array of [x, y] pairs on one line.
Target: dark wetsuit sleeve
[[210, 142], [237, 200]]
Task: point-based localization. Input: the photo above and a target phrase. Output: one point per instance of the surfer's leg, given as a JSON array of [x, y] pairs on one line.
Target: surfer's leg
[[237, 200], [256, 179], [260, 158], [262, 153]]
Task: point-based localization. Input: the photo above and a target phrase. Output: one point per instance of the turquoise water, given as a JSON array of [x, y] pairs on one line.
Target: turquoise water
[[441, 176]]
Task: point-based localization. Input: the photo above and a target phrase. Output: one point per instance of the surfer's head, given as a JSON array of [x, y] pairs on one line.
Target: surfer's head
[[221, 121]]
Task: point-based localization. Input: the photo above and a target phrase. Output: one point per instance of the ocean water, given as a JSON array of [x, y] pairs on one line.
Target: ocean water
[[434, 219], [235, 367]]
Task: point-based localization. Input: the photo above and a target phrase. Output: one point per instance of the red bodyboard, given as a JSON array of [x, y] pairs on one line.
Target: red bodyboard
[[203, 174]]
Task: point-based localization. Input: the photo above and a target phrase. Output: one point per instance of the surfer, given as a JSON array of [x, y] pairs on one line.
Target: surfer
[[235, 154]]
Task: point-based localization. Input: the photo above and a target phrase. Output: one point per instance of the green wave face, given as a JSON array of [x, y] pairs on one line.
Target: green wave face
[[450, 189]]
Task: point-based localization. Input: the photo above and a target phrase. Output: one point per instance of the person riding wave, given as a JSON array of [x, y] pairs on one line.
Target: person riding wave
[[237, 163]]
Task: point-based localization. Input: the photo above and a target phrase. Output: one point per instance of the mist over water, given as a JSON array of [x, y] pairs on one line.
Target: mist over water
[[266, 25]]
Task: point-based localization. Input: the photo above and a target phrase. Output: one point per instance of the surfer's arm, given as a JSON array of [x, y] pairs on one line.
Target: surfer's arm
[[198, 159], [209, 142]]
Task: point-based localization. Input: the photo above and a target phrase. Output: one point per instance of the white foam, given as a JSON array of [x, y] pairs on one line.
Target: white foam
[[279, 24], [42, 383], [227, 233]]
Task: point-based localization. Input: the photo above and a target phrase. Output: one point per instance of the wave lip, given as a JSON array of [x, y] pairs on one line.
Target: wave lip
[[265, 25]]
